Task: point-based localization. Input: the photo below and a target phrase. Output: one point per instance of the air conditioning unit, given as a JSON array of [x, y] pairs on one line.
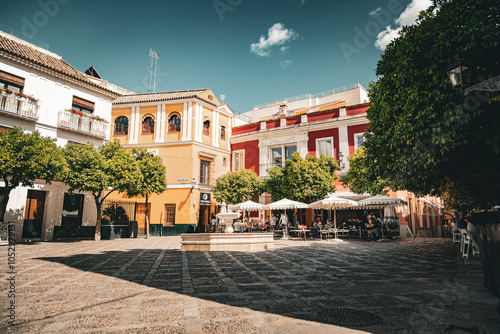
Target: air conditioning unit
[[153, 152]]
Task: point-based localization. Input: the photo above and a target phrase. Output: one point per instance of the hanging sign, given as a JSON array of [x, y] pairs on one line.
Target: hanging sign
[[205, 199]]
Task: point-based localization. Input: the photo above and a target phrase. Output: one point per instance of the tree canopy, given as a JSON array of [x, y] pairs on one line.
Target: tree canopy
[[95, 169], [304, 180], [154, 179], [238, 186], [424, 136], [26, 157]]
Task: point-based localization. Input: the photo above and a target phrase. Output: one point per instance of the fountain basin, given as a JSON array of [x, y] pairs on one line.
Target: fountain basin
[[242, 242]]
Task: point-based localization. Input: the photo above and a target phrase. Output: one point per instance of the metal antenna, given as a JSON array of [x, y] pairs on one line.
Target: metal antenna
[[156, 57], [151, 72]]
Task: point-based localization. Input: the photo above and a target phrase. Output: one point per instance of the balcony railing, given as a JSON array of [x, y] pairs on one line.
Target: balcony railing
[[18, 106], [84, 124]]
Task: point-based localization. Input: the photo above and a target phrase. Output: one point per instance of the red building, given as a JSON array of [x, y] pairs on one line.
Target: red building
[[330, 124]]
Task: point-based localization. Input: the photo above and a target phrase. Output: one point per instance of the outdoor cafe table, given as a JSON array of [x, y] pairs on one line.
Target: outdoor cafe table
[[301, 231]]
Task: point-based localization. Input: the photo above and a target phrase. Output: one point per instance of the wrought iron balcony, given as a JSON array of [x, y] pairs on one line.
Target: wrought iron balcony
[[82, 123], [18, 106]]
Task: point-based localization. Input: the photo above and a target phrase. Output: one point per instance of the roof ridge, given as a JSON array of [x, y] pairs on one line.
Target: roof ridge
[[169, 92], [28, 44]]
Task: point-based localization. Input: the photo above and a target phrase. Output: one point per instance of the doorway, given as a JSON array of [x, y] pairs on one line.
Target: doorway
[[33, 214], [204, 221], [141, 217]]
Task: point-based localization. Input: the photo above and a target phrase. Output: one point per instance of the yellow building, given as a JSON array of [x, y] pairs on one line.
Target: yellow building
[[190, 131]]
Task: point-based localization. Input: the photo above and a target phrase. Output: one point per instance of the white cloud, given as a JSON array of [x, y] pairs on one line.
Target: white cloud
[[285, 64], [375, 11], [277, 35], [284, 48], [386, 36], [407, 17]]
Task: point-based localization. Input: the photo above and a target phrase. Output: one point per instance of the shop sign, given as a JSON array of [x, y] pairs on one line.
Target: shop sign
[[204, 199]]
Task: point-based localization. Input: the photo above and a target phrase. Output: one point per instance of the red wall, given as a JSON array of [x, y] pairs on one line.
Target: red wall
[[293, 120], [357, 110], [273, 124], [251, 154], [313, 135], [246, 128], [320, 116], [350, 135]]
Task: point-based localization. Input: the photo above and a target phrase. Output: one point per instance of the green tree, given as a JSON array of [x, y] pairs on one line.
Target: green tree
[[238, 186], [96, 169], [425, 136], [154, 179], [359, 179], [26, 157], [305, 180]]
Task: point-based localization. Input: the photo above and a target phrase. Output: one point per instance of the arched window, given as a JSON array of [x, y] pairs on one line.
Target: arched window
[[174, 123], [121, 125], [148, 125], [206, 127]]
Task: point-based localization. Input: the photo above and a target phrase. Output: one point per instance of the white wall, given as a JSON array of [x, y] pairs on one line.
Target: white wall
[[55, 94]]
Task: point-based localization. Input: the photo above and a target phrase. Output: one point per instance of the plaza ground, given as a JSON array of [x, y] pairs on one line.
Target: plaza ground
[[151, 286]]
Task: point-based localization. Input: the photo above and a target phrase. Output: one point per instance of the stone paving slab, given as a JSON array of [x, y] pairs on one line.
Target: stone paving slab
[[151, 286]]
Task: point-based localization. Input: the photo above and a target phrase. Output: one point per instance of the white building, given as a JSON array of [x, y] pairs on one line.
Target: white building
[[353, 94], [60, 91]]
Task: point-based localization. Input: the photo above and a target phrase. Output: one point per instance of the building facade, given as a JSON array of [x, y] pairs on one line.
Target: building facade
[[330, 123], [189, 130], [65, 104]]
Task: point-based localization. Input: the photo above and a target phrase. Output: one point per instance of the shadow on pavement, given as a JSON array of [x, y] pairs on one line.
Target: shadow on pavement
[[356, 285]]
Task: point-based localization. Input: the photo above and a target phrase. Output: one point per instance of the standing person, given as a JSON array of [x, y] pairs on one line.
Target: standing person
[[283, 221], [273, 222], [315, 228]]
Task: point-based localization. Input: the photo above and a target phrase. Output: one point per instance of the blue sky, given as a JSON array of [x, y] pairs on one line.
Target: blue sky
[[252, 51]]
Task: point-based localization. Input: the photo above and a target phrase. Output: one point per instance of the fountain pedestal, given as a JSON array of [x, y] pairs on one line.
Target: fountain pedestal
[[229, 241]]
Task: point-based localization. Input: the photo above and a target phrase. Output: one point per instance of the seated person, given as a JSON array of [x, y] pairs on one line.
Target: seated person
[[374, 228], [267, 226], [246, 227]]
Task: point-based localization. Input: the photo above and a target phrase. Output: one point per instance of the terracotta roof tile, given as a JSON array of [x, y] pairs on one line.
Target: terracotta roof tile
[[163, 96], [34, 54]]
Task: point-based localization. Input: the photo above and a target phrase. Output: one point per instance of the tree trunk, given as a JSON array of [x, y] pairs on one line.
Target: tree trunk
[[5, 200], [98, 205], [147, 219]]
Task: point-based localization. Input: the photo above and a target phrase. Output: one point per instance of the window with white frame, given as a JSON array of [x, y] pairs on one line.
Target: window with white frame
[[281, 153], [324, 146], [359, 139], [239, 160]]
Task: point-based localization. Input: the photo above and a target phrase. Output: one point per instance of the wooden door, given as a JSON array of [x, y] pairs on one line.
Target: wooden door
[[141, 217], [33, 214]]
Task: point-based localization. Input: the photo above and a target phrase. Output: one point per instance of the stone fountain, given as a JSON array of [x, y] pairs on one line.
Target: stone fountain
[[228, 217], [229, 241]]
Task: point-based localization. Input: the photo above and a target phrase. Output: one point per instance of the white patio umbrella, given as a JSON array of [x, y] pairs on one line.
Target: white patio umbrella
[[247, 206], [381, 202], [284, 204], [333, 203]]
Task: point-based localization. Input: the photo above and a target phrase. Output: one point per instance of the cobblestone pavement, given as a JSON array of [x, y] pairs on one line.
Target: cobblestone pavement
[[150, 286]]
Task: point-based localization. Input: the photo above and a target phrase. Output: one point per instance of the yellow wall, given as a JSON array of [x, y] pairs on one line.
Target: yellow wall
[[123, 139], [182, 161]]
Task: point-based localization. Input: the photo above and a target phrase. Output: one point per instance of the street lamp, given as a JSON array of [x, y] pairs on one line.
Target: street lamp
[[341, 158], [460, 72], [193, 183]]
